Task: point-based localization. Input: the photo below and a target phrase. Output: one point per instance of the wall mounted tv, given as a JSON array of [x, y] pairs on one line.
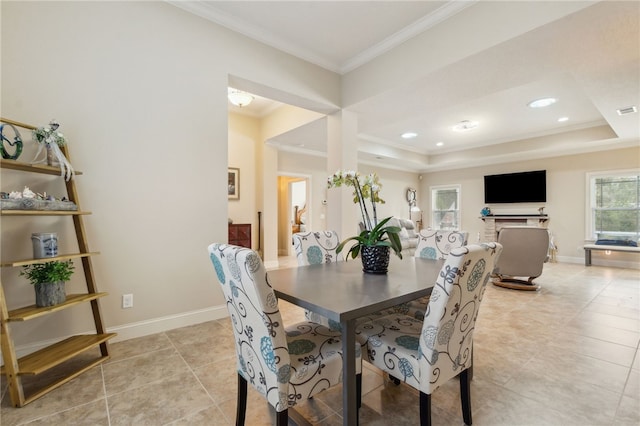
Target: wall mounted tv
[[524, 187]]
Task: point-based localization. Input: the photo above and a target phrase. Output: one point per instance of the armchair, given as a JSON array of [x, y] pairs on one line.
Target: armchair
[[525, 250]]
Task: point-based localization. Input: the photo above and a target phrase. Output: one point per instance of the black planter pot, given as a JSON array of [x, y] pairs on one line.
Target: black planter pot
[[375, 259]]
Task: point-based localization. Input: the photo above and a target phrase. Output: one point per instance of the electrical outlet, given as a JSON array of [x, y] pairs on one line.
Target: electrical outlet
[[127, 301]]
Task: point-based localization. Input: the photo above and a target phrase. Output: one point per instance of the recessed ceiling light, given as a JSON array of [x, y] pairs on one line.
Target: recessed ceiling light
[[409, 135], [440, 144], [465, 125], [627, 110], [541, 103], [562, 119]]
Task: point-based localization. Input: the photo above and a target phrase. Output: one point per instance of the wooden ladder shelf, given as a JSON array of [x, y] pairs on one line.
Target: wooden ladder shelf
[[38, 362]]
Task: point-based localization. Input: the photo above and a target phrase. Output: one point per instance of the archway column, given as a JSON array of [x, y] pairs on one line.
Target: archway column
[[342, 154]]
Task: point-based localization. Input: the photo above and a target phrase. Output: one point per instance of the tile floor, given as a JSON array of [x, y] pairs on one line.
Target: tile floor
[[566, 355]]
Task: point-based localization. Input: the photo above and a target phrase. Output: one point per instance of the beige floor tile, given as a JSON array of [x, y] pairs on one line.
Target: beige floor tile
[[91, 414], [142, 369], [86, 388], [219, 378], [211, 416], [632, 388], [589, 402], [161, 402], [564, 355], [595, 348], [558, 365], [138, 346], [628, 413]]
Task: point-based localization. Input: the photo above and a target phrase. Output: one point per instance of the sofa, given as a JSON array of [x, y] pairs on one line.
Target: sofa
[[408, 235]]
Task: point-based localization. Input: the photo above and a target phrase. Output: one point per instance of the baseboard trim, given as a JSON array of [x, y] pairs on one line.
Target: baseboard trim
[[272, 264], [141, 328], [169, 322]]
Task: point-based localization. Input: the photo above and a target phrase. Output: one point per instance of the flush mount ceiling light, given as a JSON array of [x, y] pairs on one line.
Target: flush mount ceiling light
[[627, 110], [541, 103], [465, 126], [239, 98], [563, 119], [408, 135], [440, 144]]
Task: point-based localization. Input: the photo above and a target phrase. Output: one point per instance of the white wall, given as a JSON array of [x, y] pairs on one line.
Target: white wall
[[140, 90], [243, 136], [566, 196]]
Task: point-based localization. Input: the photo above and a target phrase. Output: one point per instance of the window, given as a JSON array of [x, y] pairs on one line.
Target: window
[[445, 207], [614, 210]]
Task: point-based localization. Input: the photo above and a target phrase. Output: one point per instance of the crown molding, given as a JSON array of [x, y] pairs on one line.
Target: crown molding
[[208, 10], [421, 25]]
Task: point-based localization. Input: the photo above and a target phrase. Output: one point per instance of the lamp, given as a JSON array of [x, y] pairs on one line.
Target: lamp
[[416, 209], [239, 98], [413, 208]]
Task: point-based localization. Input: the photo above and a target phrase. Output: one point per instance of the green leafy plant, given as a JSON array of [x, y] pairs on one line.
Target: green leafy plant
[[375, 237], [48, 272], [374, 233]]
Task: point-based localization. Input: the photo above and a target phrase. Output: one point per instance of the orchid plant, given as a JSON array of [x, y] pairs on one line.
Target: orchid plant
[[375, 233]]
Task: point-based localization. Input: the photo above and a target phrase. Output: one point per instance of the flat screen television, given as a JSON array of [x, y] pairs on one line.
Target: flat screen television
[[524, 187]]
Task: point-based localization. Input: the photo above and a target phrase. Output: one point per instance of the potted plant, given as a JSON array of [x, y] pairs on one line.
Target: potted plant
[[49, 138], [48, 280], [376, 240]]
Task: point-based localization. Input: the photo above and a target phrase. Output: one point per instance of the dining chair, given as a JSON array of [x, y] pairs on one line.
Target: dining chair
[[313, 248], [426, 354], [433, 245], [285, 365], [436, 244]]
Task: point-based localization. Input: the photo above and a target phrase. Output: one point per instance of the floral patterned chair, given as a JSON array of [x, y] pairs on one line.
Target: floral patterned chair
[[426, 354], [434, 245], [285, 365], [313, 248]]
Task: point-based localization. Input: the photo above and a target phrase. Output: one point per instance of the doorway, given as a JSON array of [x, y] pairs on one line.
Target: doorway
[[294, 212]]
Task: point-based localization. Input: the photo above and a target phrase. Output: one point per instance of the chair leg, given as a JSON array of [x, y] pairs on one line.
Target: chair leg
[[282, 418], [465, 395], [242, 401], [425, 409], [359, 390]]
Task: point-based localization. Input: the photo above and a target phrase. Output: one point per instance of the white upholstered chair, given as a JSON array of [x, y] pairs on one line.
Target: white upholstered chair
[[314, 248], [285, 365], [526, 249], [434, 244], [426, 354]]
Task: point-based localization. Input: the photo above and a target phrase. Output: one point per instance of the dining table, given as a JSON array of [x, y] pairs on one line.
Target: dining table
[[342, 292]]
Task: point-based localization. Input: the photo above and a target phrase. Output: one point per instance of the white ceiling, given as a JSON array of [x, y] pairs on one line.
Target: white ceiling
[[588, 60]]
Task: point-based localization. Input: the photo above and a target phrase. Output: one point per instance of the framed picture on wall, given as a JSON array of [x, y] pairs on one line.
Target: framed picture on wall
[[234, 183]]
